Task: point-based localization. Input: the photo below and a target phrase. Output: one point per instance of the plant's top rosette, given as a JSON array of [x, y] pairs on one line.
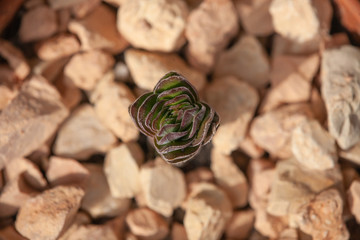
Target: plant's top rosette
[[175, 118]]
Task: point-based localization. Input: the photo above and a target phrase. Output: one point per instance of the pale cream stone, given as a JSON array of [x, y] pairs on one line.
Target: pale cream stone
[[353, 196], [269, 225], [240, 224], [246, 60], [153, 25], [230, 178], [122, 171], [111, 103], [91, 136], [163, 187], [235, 101], [147, 68], [92, 33], [59, 46], [289, 234]]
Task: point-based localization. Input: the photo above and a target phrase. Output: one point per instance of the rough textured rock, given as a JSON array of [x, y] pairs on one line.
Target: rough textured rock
[[153, 25], [147, 68], [272, 130], [91, 136], [30, 172], [240, 224], [246, 60], [209, 29], [322, 217], [66, 171], [98, 201], [294, 19], [30, 119], [230, 178], [38, 23], [92, 33], [59, 46], [122, 171], [291, 79], [47, 215], [147, 224], [208, 209], [353, 196], [340, 89], [235, 109], [15, 59], [313, 147], [111, 102], [87, 68], [255, 16], [163, 187]]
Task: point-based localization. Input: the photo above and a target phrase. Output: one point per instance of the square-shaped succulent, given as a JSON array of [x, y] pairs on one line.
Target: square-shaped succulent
[[173, 116]]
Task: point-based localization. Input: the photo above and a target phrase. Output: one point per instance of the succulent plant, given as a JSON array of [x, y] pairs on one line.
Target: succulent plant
[[173, 116]]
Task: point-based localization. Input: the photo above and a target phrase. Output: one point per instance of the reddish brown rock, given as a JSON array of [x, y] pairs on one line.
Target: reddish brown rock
[[8, 10], [9, 233], [50, 70], [349, 14], [353, 196], [80, 219], [178, 232], [240, 224], [146, 224], [38, 106], [47, 215], [92, 33], [84, 8], [38, 23], [58, 4], [91, 136], [59, 46], [70, 94], [209, 29]]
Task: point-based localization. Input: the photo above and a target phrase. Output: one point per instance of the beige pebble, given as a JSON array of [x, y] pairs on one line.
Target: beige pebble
[[269, 225], [289, 234], [147, 224], [340, 89], [58, 4], [200, 174], [313, 147], [322, 217], [112, 100], [284, 46], [122, 171], [59, 46], [209, 29], [98, 201], [230, 178], [10, 233], [29, 170], [249, 147], [48, 214], [153, 25], [207, 211], [147, 68], [240, 224], [272, 130], [163, 187], [246, 60], [255, 16], [91, 136], [85, 8], [87, 68], [50, 70], [80, 219], [66, 171], [38, 23], [353, 154], [178, 232], [353, 196], [37, 106], [291, 79], [295, 19], [14, 194], [70, 94], [235, 101], [6, 95], [92, 33]]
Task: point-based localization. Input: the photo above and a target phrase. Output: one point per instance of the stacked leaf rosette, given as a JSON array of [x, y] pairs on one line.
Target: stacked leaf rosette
[[173, 116]]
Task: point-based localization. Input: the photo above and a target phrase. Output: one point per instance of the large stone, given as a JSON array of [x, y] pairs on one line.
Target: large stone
[[122, 171], [209, 29], [208, 209], [153, 25], [111, 102], [87, 68], [38, 23], [147, 68], [340, 88], [91, 136], [163, 187], [353, 196], [246, 60], [30, 119], [235, 102], [92, 33]]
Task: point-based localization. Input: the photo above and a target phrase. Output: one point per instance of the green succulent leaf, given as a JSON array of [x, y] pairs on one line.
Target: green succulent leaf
[[173, 116]]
